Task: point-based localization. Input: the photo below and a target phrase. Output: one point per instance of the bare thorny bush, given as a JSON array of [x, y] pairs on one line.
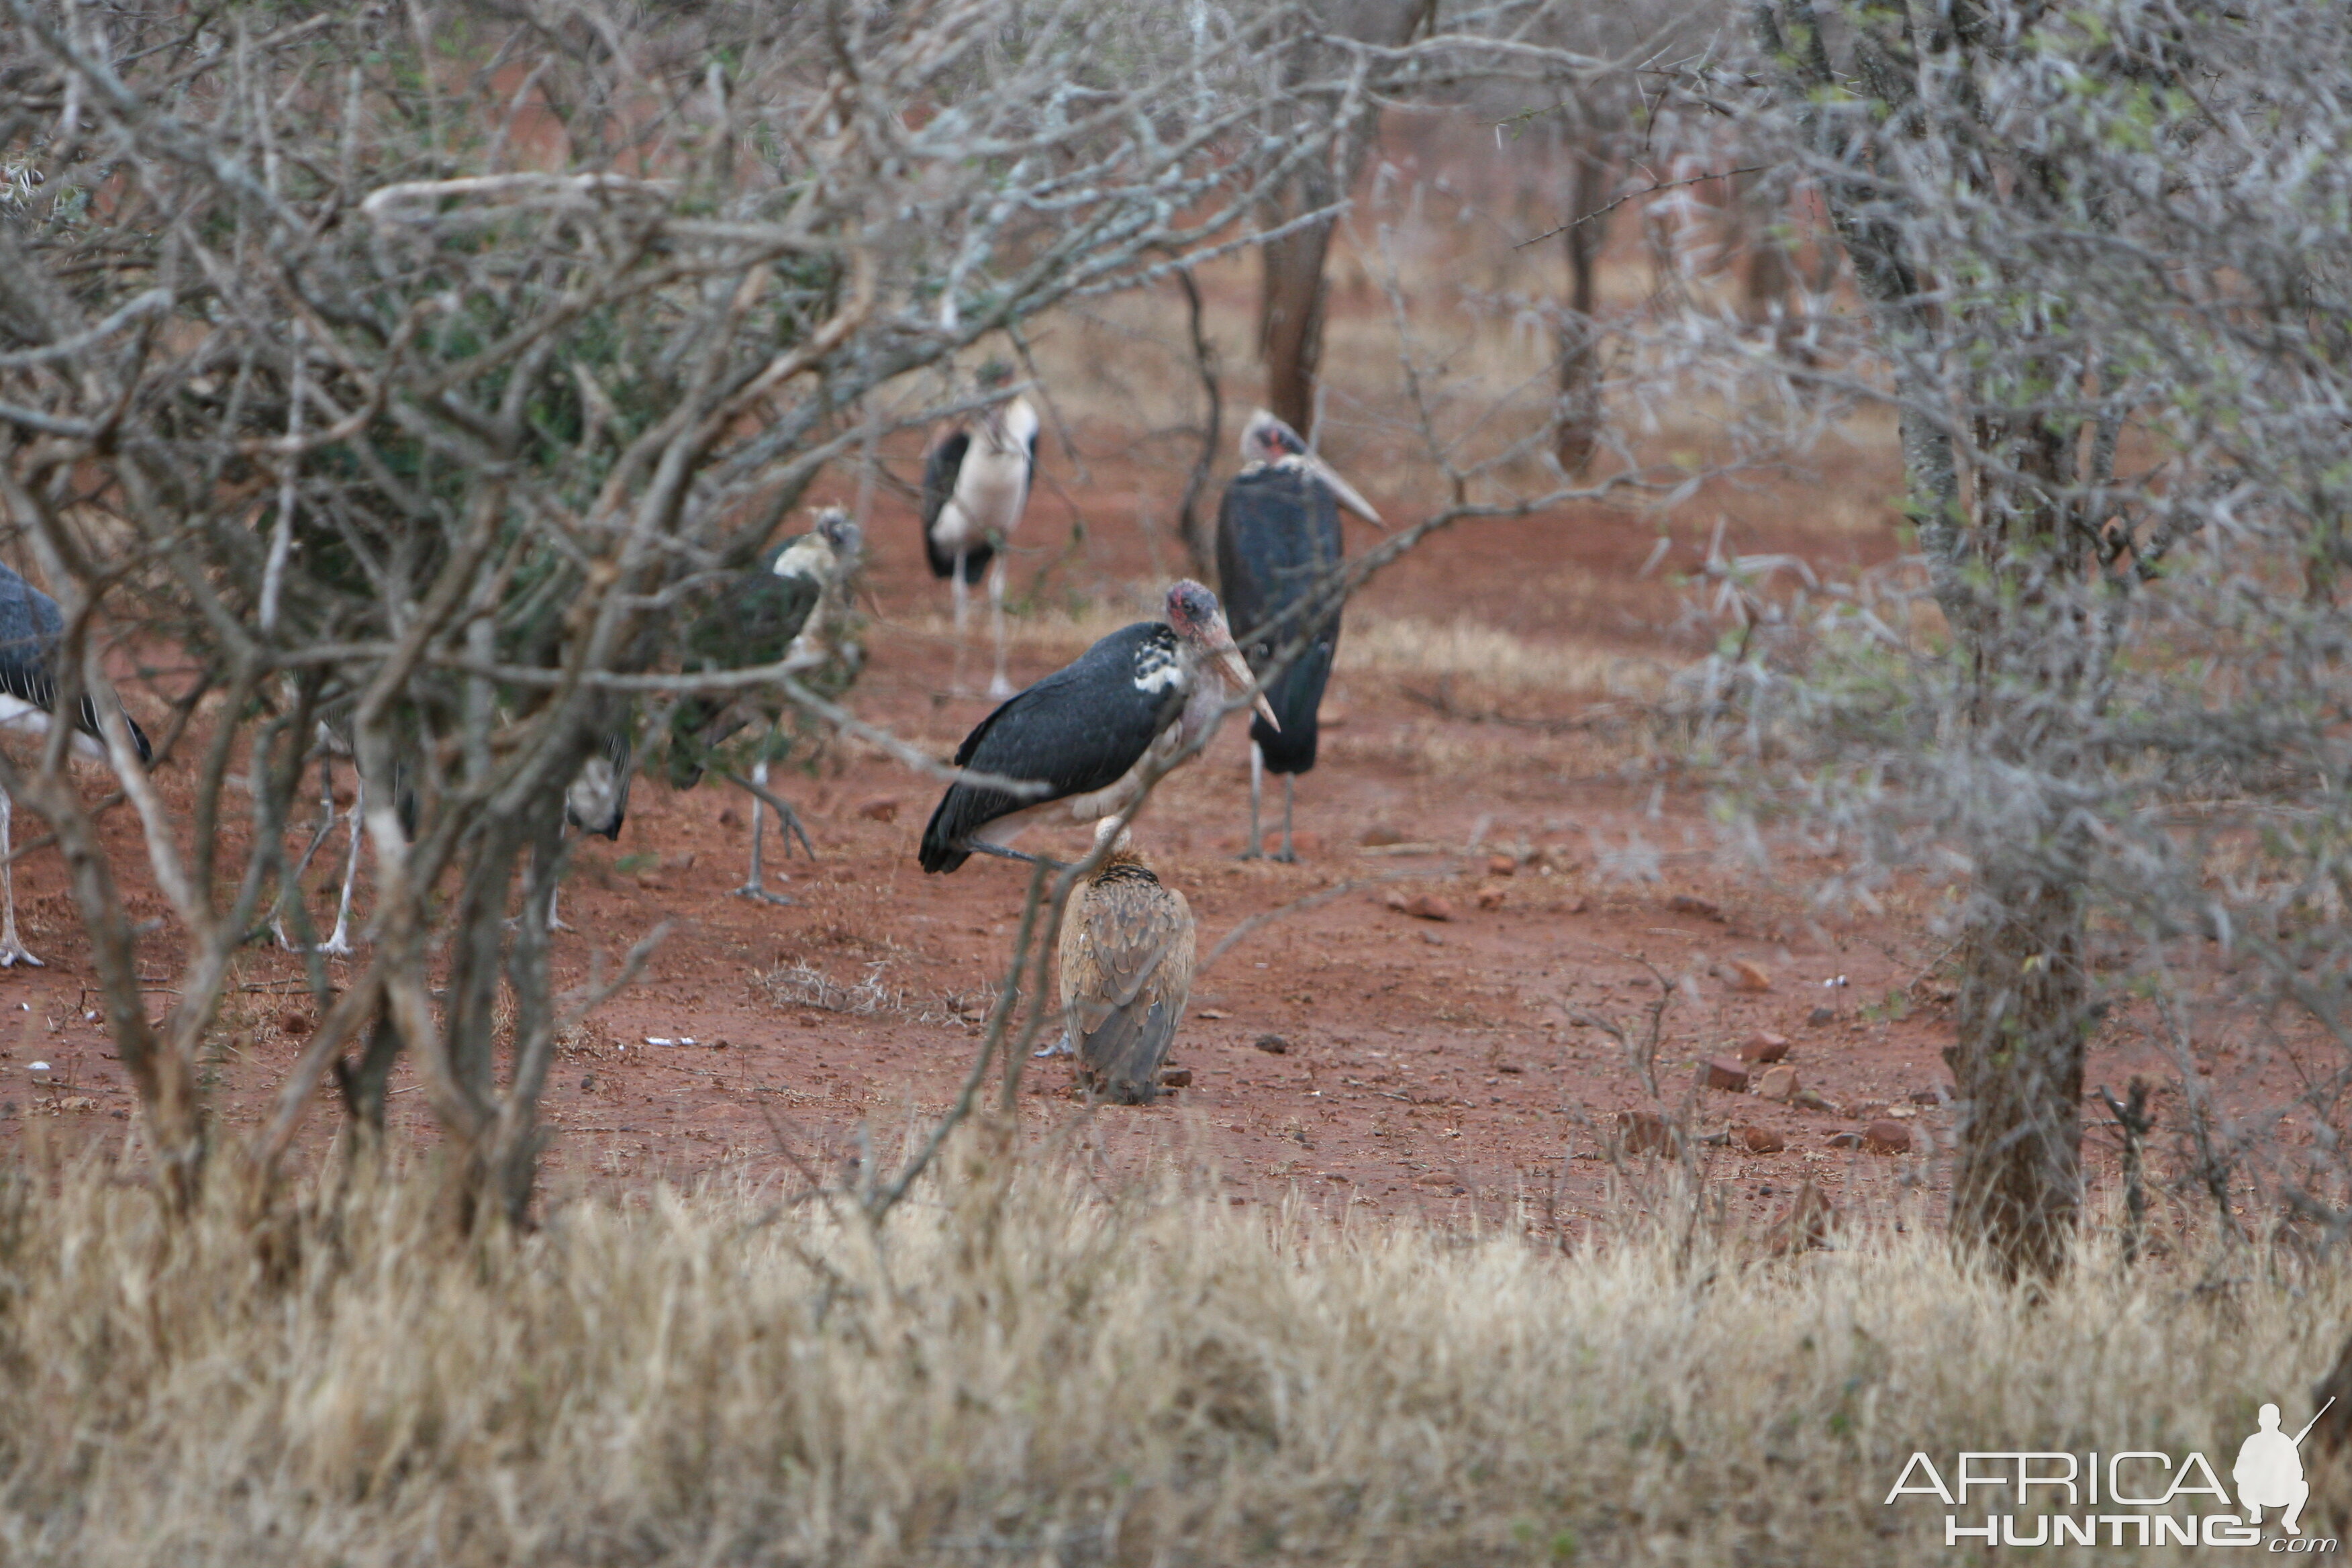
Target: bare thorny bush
[[405, 375], [2102, 265]]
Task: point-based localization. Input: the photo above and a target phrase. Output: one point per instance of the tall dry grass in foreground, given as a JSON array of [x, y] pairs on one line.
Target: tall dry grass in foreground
[[1040, 1375]]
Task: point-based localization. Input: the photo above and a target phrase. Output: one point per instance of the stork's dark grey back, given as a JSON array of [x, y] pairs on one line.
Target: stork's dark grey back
[[1279, 541], [30, 628]]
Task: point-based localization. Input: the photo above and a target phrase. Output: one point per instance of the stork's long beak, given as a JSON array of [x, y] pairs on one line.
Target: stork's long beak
[[1237, 670], [1342, 491]]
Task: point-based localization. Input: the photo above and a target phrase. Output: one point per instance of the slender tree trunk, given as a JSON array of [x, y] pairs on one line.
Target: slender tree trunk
[[516, 1139], [1193, 522], [165, 1077], [1579, 430], [2025, 1017], [1293, 297], [367, 1082], [2025, 1007], [1771, 294], [1293, 291]]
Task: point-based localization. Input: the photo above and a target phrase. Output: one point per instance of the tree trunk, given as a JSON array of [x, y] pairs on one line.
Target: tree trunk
[[1770, 294], [2024, 1018], [516, 1139], [366, 1083], [1293, 293], [1578, 429], [1193, 521], [165, 1077], [1293, 296]]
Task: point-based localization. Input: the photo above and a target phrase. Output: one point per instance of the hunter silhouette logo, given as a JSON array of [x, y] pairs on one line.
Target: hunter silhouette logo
[[2057, 1499], [2269, 1471]]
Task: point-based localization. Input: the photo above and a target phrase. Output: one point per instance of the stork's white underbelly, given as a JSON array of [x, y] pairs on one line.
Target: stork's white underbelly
[[991, 488], [1112, 800], [18, 717], [594, 797]]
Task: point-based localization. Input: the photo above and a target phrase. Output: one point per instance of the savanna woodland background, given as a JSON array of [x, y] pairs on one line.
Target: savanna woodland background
[[1821, 929]]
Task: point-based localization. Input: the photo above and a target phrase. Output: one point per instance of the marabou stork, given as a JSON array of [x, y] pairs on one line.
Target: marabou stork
[[794, 603], [975, 483], [595, 802], [1087, 732], [1278, 549], [31, 629], [1126, 954]]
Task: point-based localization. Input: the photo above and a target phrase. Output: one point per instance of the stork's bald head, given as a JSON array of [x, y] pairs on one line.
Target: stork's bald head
[[1267, 439], [1195, 616], [838, 528]]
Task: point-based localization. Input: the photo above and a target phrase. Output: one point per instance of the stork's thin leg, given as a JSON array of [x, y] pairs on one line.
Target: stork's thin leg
[[755, 886], [1289, 784], [999, 687], [961, 614], [753, 881], [290, 886], [13, 950], [1253, 849], [339, 940], [553, 922]]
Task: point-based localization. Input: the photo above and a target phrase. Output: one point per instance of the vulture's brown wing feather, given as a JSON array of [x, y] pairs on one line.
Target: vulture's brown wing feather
[[1127, 971]]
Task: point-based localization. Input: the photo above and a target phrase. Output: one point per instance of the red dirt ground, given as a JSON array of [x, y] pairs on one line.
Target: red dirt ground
[[1431, 1067]]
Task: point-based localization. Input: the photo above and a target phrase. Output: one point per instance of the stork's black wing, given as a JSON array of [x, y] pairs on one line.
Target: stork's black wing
[[940, 471], [752, 620], [753, 617], [1077, 731], [31, 628], [1296, 698], [1278, 543]]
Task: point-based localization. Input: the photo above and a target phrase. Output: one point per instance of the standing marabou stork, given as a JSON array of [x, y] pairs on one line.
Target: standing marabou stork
[[1127, 971], [1088, 731], [975, 483], [794, 603], [595, 802], [1278, 549], [31, 628]]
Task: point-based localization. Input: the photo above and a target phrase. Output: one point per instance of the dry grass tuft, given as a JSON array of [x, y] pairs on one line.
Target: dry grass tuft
[[1039, 1375], [800, 984]]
